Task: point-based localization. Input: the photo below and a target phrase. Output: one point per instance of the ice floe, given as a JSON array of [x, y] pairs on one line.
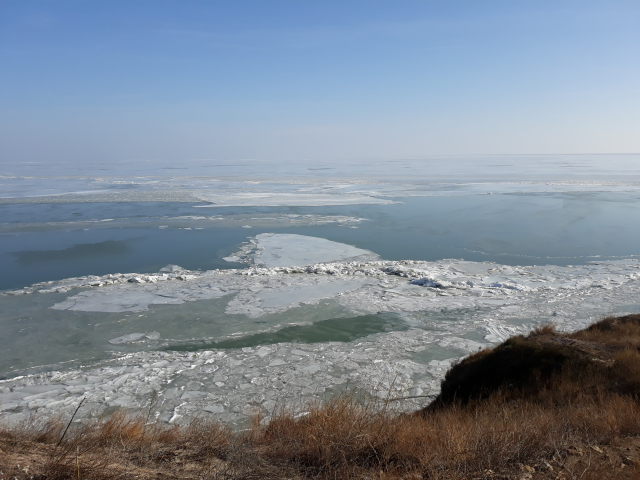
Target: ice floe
[[277, 199], [283, 250], [126, 299]]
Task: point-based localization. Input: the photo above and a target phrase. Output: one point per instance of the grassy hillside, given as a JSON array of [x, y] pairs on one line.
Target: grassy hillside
[[550, 367], [544, 406]]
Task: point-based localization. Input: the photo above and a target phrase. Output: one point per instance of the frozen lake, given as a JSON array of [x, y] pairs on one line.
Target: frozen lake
[[229, 288]]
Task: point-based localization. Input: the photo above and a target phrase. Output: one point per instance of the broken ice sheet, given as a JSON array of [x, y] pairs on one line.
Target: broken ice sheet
[[258, 301], [270, 249], [450, 308], [119, 299], [258, 295]]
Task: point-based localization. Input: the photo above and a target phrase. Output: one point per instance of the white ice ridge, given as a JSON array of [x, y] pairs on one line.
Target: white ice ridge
[[361, 286]]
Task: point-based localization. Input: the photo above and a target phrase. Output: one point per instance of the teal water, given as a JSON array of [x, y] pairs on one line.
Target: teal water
[[35, 338], [332, 330]]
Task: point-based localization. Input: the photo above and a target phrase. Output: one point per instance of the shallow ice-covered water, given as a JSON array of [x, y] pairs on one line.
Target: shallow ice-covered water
[[443, 310], [318, 299]]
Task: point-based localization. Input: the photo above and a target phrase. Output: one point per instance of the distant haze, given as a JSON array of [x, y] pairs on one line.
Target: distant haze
[[168, 81]]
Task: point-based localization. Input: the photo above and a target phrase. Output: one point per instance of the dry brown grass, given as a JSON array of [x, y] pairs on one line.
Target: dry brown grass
[[574, 414], [340, 439], [352, 441], [551, 366], [618, 332]]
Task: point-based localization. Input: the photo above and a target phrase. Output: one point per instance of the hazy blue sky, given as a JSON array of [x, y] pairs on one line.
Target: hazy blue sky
[[269, 79]]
